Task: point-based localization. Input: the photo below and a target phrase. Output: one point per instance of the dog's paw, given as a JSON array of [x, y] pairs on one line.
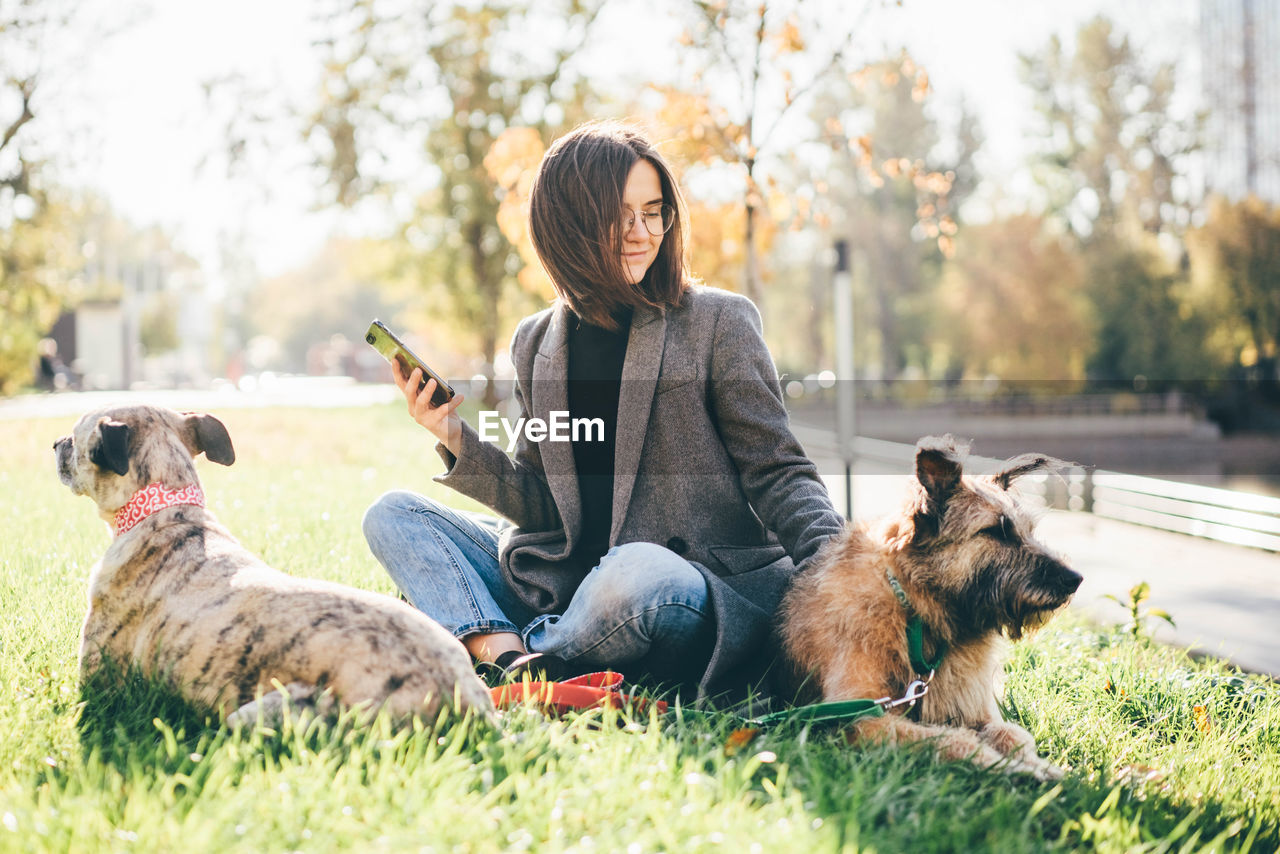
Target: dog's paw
[[256, 712], [1009, 739], [1040, 769], [271, 709], [1020, 761], [1047, 772]]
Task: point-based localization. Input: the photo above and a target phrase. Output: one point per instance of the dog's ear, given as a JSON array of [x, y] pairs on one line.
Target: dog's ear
[[1026, 464], [109, 447], [210, 436], [939, 462]]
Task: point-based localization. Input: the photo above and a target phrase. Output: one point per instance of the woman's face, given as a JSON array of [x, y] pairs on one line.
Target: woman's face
[[642, 193]]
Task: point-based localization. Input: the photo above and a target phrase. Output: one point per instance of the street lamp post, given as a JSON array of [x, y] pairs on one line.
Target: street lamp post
[[846, 387]]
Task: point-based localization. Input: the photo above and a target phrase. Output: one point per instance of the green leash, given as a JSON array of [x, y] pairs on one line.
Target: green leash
[[821, 713], [846, 711], [838, 711]]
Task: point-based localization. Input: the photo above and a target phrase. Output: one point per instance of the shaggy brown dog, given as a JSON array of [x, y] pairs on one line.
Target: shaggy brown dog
[[966, 564]]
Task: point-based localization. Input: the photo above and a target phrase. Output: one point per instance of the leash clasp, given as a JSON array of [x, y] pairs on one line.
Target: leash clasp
[[915, 692]]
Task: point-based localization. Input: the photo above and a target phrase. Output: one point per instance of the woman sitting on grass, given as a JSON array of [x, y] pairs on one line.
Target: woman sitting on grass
[[662, 546]]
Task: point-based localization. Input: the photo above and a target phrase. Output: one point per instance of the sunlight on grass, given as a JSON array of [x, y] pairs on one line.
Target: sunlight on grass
[[1164, 752]]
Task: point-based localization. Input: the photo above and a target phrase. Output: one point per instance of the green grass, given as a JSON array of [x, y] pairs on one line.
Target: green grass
[[1165, 753]]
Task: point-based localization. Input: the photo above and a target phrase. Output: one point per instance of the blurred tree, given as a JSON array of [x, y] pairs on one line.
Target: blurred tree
[[38, 261], [158, 325], [1235, 261], [512, 164], [1115, 150], [890, 185], [1145, 333], [1015, 305], [346, 285], [37, 255], [746, 67], [718, 249], [21, 28], [434, 85], [1113, 167]]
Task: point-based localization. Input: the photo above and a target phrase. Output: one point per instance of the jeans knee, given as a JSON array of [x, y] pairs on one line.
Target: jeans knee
[[390, 513], [646, 575]]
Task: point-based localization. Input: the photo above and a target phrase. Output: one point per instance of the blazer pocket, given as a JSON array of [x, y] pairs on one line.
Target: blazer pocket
[[735, 560], [668, 383]]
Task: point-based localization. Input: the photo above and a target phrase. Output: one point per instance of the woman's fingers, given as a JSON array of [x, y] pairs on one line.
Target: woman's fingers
[[397, 376], [412, 388], [425, 393], [421, 404], [452, 406], [442, 420]]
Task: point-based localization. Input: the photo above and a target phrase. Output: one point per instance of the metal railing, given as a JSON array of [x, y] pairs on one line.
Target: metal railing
[[1201, 511]]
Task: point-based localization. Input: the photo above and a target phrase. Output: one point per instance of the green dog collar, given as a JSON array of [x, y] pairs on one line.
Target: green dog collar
[[915, 632]]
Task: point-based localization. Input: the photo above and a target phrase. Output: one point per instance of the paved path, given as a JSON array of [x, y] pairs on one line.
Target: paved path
[[285, 391], [1225, 599]]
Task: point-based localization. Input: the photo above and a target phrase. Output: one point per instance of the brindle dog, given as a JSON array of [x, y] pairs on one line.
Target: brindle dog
[[178, 596], [966, 563]]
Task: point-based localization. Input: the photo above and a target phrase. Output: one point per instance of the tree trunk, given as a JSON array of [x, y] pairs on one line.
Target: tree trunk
[[753, 289], [820, 312], [489, 286]]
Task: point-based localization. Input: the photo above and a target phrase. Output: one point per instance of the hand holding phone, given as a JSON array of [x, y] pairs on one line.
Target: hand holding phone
[[394, 351]]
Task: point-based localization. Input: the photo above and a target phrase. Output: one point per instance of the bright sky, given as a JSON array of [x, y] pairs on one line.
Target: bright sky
[[140, 95]]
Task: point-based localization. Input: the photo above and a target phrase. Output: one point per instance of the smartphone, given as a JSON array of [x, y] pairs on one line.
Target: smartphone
[[385, 342]]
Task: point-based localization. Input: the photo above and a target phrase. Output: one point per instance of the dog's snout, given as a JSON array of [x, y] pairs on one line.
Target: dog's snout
[[1056, 578], [1068, 580], [62, 454]]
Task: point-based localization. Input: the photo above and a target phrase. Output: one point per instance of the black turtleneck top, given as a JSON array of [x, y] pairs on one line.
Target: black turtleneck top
[[595, 381]]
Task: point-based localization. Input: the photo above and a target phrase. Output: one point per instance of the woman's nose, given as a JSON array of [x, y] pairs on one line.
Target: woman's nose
[[637, 232]]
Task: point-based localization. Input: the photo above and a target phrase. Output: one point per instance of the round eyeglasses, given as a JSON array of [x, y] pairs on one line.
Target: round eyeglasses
[[657, 221]]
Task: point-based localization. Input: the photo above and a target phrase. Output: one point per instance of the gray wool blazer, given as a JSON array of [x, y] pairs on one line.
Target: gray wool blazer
[[705, 464]]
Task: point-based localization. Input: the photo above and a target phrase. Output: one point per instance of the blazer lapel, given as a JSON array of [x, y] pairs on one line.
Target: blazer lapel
[[550, 393], [635, 399]]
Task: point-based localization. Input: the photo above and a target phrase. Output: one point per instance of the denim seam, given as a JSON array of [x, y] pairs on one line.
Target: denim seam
[[529, 629], [441, 541], [629, 620], [484, 627], [435, 514]]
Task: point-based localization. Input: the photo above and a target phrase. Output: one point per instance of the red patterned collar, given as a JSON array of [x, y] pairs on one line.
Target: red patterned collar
[[153, 499]]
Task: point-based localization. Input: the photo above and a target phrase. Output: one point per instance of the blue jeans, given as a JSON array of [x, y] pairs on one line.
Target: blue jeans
[[643, 604]]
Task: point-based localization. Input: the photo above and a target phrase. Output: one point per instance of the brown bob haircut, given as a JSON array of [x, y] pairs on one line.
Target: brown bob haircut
[[575, 217]]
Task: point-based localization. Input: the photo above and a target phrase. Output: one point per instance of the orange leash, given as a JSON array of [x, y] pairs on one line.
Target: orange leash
[[589, 691]]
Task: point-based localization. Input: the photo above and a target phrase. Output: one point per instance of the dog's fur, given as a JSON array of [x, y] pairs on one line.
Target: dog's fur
[[181, 599], [964, 555]]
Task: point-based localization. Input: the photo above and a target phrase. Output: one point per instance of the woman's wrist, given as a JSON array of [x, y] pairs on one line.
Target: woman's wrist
[[453, 440]]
